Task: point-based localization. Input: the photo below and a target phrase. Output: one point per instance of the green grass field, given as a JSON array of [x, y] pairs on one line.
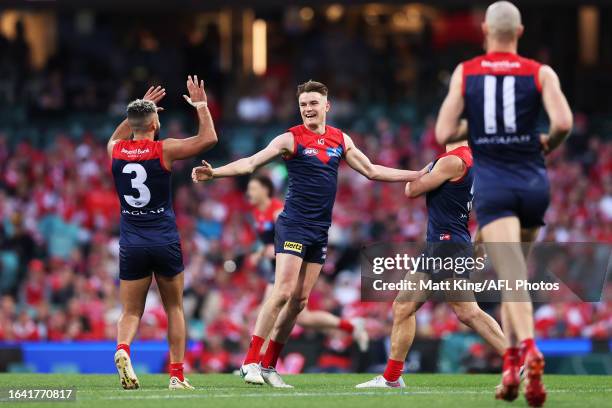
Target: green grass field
[[311, 390]]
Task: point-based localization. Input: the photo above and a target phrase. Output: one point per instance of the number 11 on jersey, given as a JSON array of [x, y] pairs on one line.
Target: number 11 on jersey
[[507, 101]]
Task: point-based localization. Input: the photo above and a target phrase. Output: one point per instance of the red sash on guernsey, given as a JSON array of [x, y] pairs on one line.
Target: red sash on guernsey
[[318, 145], [502, 63], [139, 150], [465, 154]]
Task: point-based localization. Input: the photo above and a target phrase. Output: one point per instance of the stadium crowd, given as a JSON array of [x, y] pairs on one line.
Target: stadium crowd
[[59, 211], [59, 244]]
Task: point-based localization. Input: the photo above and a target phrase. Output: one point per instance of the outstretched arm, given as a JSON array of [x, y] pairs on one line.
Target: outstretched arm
[[360, 162], [556, 107], [280, 145], [447, 168], [123, 131], [449, 127], [179, 149]]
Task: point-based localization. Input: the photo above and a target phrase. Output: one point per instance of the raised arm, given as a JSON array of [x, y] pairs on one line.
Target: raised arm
[[556, 107], [123, 131], [179, 149], [447, 168], [360, 162], [280, 145], [449, 127]]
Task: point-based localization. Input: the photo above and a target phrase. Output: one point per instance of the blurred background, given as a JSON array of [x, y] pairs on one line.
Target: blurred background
[[67, 73]]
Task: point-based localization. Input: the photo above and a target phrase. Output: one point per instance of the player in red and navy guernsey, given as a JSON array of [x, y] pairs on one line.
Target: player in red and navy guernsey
[[149, 239], [447, 186], [312, 152], [266, 209], [501, 95], [448, 199]]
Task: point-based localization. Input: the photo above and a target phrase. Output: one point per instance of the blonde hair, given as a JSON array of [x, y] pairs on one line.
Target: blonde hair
[[139, 114], [503, 20]]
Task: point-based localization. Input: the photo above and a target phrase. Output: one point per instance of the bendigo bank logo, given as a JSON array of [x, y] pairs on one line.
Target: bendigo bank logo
[[292, 246], [500, 64], [135, 152]]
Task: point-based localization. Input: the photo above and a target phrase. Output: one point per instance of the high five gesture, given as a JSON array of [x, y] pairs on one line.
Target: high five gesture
[[197, 95]]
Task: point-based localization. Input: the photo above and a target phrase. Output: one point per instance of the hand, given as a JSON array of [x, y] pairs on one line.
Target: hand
[[202, 173], [155, 94], [544, 141], [197, 95]]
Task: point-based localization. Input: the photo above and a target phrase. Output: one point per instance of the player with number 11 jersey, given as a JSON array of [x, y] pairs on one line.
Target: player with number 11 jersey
[[501, 95]]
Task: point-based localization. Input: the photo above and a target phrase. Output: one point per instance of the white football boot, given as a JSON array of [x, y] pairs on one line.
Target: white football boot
[[380, 382], [360, 335], [128, 378], [273, 379], [251, 374], [176, 384]]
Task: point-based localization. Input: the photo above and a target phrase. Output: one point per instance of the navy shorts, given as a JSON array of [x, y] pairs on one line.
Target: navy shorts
[[528, 205], [446, 260], [140, 262], [309, 242]]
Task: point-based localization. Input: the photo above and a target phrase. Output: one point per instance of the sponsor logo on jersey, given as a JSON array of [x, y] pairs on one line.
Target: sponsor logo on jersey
[[334, 151], [504, 140], [500, 64], [321, 141], [292, 246], [445, 237], [135, 152], [143, 212], [311, 151]]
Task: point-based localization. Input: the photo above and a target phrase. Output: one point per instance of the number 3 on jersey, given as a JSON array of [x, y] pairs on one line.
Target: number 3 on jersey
[[144, 194]]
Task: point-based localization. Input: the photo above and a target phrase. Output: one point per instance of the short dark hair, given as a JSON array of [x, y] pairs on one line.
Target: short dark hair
[[312, 86], [138, 111], [266, 182]]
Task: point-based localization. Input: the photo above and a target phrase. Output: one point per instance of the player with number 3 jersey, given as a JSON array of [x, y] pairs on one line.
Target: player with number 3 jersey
[[149, 239]]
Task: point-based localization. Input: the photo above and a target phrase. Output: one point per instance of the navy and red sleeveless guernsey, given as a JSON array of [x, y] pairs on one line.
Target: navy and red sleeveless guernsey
[[264, 221], [503, 100], [143, 185], [313, 175], [302, 228], [449, 205]]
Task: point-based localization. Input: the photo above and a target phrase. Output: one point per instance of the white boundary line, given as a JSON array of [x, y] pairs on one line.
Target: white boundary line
[[386, 393]]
